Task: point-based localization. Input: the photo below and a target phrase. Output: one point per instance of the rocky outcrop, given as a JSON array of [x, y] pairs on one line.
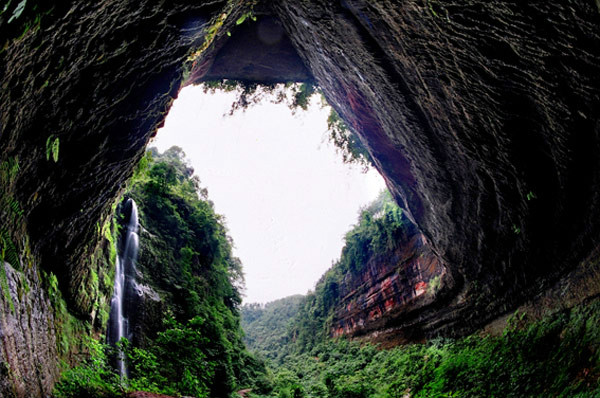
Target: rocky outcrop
[[389, 289], [481, 116], [262, 52], [146, 317], [28, 353]]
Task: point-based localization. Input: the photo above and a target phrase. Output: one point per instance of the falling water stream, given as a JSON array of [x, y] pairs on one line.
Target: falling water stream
[[118, 324]]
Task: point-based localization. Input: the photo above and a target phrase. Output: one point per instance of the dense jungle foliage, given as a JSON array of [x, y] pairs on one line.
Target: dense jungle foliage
[[266, 326], [557, 356], [187, 258]]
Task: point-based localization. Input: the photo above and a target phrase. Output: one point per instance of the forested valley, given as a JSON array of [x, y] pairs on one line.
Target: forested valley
[[200, 341]]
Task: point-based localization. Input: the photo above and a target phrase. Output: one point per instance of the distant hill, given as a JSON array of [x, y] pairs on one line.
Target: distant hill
[[266, 326]]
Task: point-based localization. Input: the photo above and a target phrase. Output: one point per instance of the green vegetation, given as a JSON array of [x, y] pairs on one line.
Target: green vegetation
[[9, 170], [11, 212], [52, 148], [380, 229], [17, 11], [4, 285], [197, 347], [214, 27], [348, 144], [8, 250], [19, 17], [210, 35], [556, 356], [198, 350], [11, 215], [188, 260], [95, 284], [246, 15], [266, 326], [69, 329], [95, 378], [15, 249], [294, 95]]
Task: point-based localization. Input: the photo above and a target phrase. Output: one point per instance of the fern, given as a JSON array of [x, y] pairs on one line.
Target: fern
[[52, 148], [9, 170], [9, 252], [5, 287], [15, 207]]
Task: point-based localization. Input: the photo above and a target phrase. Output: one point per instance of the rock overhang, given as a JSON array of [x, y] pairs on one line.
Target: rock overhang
[[253, 52], [481, 118]]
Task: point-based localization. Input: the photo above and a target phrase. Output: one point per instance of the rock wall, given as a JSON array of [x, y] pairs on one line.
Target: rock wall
[[261, 52], [38, 335], [481, 117], [388, 291], [99, 78], [28, 353]]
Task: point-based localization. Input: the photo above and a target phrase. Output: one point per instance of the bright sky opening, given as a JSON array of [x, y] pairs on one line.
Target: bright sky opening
[[287, 197]]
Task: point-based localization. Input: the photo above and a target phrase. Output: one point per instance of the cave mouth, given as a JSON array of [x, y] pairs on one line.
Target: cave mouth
[[287, 195]]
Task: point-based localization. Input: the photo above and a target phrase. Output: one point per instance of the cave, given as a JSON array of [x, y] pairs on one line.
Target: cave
[[481, 117]]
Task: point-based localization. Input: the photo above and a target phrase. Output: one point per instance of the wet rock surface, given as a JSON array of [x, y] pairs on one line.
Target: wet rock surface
[[146, 314]]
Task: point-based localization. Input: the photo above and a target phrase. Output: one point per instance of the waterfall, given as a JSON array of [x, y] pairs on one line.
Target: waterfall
[[118, 324]]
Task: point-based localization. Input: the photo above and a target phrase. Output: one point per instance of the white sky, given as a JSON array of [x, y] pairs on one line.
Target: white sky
[[287, 197]]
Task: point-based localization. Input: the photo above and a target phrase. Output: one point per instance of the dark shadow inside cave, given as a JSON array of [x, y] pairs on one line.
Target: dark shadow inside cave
[[256, 52]]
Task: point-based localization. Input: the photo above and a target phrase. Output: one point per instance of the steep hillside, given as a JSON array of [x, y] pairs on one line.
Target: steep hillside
[[556, 356], [184, 304], [266, 326], [541, 350], [385, 272]]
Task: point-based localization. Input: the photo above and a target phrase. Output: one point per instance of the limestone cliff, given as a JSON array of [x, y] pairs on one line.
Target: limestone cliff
[[388, 291]]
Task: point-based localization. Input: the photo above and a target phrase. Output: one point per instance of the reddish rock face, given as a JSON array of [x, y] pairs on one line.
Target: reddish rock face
[[390, 286]]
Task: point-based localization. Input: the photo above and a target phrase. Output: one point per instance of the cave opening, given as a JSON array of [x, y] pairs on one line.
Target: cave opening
[[480, 116], [271, 169], [287, 193]]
